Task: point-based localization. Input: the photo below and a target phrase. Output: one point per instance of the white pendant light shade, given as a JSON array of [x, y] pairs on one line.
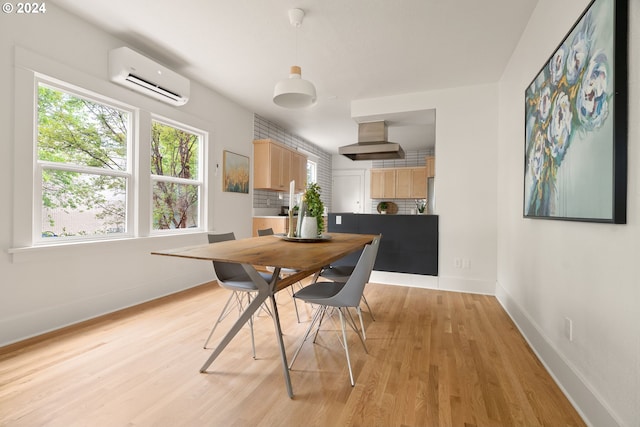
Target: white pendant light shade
[[294, 92]]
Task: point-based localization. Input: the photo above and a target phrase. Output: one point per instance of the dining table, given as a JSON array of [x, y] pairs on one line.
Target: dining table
[[306, 256]]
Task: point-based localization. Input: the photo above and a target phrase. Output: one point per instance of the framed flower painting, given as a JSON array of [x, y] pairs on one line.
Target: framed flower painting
[[576, 122]]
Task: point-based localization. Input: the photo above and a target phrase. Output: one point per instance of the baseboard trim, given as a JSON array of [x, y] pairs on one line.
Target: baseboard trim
[[29, 325], [404, 279], [590, 407], [445, 283]]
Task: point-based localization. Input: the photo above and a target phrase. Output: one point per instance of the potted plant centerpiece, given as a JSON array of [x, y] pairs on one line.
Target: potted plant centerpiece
[[312, 223]]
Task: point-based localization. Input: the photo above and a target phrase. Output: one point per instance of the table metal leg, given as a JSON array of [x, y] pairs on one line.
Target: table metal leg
[[244, 317], [265, 290], [283, 354]]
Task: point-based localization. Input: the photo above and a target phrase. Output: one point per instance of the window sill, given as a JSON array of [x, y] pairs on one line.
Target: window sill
[[65, 250]]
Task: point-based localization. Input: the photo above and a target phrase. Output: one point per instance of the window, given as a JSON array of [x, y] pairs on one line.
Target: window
[[176, 176], [83, 172], [312, 171], [91, 159]]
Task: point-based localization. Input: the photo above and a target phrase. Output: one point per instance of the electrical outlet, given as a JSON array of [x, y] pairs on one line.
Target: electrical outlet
[[466, 263], [568, 329], [338, 219], [457, 263], [268, 202]]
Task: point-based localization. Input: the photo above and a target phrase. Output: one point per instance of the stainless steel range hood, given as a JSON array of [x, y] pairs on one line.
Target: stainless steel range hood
[[372, 144]]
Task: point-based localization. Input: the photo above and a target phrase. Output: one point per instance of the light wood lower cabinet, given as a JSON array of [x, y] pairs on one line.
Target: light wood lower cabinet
[[278, 224]]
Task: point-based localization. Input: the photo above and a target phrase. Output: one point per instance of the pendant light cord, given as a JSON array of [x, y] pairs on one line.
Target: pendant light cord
[[296, 56]]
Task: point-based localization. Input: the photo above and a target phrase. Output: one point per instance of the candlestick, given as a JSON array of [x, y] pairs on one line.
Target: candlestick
[[292, 189]]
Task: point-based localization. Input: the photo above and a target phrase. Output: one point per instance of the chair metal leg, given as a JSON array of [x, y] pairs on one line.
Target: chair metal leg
[[316, 316], [368, 307], [359, 311], [354, 326], [346, 346], [324, 312], [295, 303]]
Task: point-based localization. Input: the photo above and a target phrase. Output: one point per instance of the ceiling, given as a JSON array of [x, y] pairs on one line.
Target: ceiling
[[349, 49]]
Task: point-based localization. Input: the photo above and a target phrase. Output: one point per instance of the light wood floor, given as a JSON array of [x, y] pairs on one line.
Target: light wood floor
[[435, 359]]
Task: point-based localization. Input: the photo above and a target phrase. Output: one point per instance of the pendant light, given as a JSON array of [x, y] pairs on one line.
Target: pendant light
[[295, 92]]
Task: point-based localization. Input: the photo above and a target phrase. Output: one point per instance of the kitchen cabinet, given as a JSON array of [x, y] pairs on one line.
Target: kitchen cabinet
[[383, 183], [431, 166], [299, 171], [275, 165], [279, 224], [419, 183], [399, 183]]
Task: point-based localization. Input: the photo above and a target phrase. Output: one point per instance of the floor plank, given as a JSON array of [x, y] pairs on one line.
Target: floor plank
[[435, 359]]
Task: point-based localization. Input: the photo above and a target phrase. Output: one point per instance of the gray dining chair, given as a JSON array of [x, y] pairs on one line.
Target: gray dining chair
[[339, 296], [233, 277], [340, 274], [283, 271]]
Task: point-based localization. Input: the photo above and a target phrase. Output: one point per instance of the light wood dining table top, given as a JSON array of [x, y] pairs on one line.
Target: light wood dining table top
[[274, 251]]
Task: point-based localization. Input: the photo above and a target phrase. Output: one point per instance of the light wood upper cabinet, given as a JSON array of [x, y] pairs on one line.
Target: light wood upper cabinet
[[275, 165], [399, 183], [383, 183], [299, 170], [419, 183], [403, 183], [431, 166]]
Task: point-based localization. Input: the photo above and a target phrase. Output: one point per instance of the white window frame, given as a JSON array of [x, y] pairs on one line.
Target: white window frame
[[40, 165], [199, 182]]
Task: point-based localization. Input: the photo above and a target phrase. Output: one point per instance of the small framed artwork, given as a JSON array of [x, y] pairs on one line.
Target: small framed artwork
[[235, 171], [576, 122]]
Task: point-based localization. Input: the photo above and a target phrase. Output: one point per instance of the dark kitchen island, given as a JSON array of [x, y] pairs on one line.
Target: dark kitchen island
[[409, 242]]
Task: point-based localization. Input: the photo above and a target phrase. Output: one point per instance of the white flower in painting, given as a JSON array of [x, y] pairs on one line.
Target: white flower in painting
[[591, 103], [556, 66], [577, 56], [560, 127], [544, 103]]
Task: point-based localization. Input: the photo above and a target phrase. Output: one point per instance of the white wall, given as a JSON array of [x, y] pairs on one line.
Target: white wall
[[466, 174], [590, 273], [45, 289]]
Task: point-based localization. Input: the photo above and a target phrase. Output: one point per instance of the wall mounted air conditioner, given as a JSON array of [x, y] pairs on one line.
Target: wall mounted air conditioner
[[137, 72]]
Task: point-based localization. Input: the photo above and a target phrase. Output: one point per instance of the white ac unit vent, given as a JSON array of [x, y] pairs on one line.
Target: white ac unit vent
[[137, 72]]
